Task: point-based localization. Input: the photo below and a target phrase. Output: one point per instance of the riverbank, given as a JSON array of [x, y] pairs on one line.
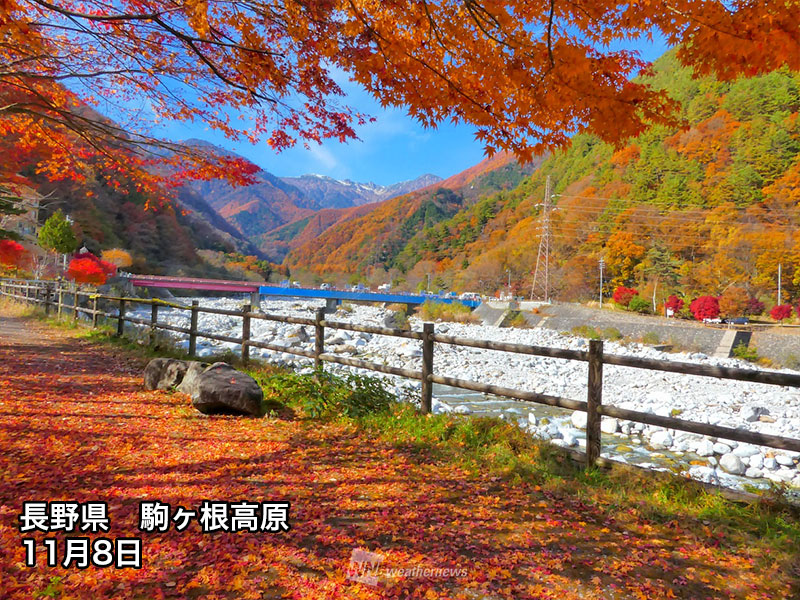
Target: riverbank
[[758, 407]]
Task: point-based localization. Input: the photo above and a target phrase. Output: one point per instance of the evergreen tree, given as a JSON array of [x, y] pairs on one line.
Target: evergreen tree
[[57, 235]]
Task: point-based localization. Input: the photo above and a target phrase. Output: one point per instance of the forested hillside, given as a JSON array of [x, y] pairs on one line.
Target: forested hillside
[[689, 210], [370, 243], [161, 238]]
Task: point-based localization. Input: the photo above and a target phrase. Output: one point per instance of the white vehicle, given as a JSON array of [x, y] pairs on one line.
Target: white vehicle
[[469, 296], [385, 287], [325, 286]]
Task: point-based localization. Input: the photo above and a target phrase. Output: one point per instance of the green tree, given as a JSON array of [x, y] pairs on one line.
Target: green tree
[[56, 234]]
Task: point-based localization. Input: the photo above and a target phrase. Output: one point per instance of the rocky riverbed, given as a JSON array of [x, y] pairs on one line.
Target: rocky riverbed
[[757, 407]]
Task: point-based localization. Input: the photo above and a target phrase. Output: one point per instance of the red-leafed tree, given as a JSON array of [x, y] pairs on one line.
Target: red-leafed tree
[[622, 295], [85, 267], [674, 304], [754, 307], [110, 269], [705, 307], [779, 312], [86, 270], [11, 253]]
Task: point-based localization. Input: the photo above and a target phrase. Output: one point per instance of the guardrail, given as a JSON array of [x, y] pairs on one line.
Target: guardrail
[[51, 295]]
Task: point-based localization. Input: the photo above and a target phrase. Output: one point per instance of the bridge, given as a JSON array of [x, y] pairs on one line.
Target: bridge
[[332, 297]]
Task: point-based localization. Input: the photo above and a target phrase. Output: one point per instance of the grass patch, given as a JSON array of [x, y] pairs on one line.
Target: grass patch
[[587, 331], [440, 311], [15, 308], [650, 338]]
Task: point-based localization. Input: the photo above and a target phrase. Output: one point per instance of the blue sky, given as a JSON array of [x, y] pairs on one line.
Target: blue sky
[[393, 148]]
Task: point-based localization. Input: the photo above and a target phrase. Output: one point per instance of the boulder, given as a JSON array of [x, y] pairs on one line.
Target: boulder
[[705, 448], [221, 389], [609, 425], [752, 413], [732, 464], [579, 419], [189, 383], [299, 333], [721, 448], [164, 373], [661, 440]]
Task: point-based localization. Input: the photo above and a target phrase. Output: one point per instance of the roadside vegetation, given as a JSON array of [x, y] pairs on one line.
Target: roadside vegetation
[[439, 311]]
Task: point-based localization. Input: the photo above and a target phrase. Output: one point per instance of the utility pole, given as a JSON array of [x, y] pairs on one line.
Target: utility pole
[[543, 257], [602, 264], [509, 280], [780, 268]]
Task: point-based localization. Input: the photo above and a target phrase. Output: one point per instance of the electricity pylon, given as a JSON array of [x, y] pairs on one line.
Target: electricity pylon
[[541, 276]]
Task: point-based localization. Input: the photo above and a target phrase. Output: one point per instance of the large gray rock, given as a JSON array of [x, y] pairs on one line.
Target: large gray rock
[[164, 373], [732, 464], [221, 389], [190, 378]]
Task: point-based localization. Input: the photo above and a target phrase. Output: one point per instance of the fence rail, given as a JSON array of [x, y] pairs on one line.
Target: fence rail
[[52, 294]]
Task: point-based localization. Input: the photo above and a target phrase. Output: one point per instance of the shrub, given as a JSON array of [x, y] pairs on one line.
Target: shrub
[[674, 304], [586, 331], [744, 352], [639, 304], [705, 307], [457, 312], [754, 307], [780, 312], [324, 395], [519, 321], [623, 295], [612, 333]]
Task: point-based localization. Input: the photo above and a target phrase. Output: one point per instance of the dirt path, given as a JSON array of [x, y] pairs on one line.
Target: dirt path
[[75, 425]]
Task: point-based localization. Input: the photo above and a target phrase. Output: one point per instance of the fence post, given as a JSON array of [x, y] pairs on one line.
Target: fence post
[[593, 401], [427, 367], [121, 318], [319, 337], [193, 329], [246, 332], [94, 311], [153, 320], [60, 292], [75, 302], [47, 290]]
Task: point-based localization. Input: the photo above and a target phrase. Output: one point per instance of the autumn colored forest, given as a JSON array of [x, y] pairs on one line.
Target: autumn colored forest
[[689, 210]]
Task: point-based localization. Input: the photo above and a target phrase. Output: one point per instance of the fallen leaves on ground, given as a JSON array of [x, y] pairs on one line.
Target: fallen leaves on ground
[[75, 424]]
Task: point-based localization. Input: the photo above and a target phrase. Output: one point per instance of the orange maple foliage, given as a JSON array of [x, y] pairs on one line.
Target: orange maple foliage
[[527, 77]]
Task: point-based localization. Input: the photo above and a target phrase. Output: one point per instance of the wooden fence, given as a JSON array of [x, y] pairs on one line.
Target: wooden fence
[[52, 295]]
